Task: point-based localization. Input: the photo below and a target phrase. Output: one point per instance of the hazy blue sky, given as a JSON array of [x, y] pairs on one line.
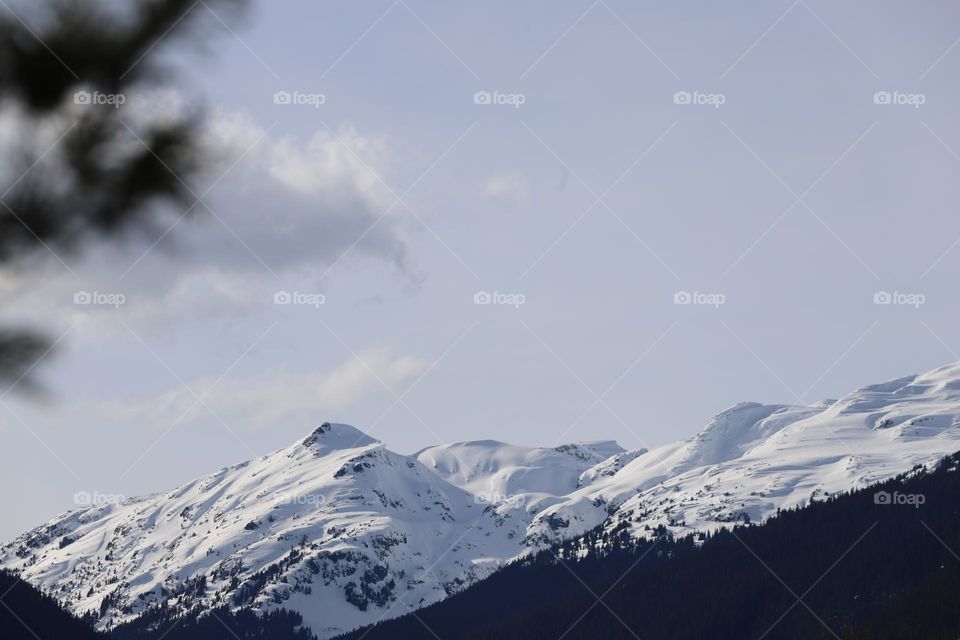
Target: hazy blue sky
[[786, 192]]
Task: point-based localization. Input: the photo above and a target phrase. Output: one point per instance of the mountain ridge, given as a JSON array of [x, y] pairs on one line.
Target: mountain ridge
[[342, 530]]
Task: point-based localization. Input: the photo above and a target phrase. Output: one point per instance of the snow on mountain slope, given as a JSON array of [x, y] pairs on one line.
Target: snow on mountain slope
[[336, 527], [497, 471], [346, 532], [751, 460]]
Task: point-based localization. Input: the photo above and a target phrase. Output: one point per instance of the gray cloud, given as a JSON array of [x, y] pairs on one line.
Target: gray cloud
[[280, 213]]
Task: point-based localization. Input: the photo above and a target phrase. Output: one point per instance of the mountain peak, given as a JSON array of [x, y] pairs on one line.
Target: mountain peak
[[331, 436], [591, 449], [332, 526]]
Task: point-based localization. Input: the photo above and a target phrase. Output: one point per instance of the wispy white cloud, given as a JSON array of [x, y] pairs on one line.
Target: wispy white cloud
[[509, 187], [271, 398]]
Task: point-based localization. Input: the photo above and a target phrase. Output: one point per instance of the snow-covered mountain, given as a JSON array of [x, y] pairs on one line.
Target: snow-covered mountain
[[346, 532], [335, 526]]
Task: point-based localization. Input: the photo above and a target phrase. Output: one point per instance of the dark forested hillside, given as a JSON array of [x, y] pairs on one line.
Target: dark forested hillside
[[217, 624], [879, 563], [27, 614]]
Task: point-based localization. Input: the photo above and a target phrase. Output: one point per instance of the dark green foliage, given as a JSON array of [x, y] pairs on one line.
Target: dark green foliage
[[27, 614], [106, 168], [81, 40], [19, 351], [216, 624]]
